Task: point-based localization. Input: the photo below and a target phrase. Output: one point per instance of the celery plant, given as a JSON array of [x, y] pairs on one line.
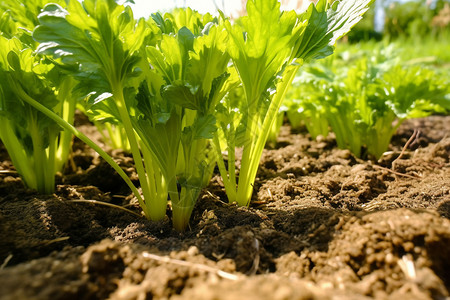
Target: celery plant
[[177, 103], [364, 102], [267, 48], [37, 146], [302, 108], [102, 41], [112, 132], [114, 135], [408, 92], [160, 80]]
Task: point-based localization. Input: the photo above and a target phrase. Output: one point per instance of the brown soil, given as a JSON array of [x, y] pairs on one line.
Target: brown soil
[[322, 225]]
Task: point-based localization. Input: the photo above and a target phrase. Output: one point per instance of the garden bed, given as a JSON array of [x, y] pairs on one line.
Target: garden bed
[[322, 225]]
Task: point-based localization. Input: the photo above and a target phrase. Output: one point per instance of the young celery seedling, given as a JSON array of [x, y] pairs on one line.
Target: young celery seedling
[[102, 42], [366, 102], [54, 111], [267, 48], [302, 105], [37, 146], [177, 102]]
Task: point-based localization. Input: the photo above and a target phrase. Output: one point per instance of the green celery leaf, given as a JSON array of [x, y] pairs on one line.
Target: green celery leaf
[[204, 127], [208, 65], [165, 25], [162, 139], [182, 95], [186, 17], [262, 50], [325, 25], [100, 37], [413, 91], [19, 79], [167, 58], [24, 12]]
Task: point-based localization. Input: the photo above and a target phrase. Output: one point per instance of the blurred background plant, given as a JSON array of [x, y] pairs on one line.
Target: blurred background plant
[[411, 35], [364, 95], [386, 18]]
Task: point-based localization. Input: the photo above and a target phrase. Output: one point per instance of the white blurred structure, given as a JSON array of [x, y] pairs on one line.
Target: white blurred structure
[[380, 14]]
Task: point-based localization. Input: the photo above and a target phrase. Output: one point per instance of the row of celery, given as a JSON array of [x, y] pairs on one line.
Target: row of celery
[[365, 95], [184, 87]]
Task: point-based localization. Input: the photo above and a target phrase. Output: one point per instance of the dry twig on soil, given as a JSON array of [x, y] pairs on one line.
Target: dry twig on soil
[[188, 264], [106, 204], [410, 140]]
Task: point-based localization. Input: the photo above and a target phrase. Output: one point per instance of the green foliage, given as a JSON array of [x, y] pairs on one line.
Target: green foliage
[[177, 104], [101, 38], [100, 44], [411, 19], [160, 79], [23, 14], [365, 29], [366, 98], [415, 19], [266, 57], [183, 87], [35, 144]]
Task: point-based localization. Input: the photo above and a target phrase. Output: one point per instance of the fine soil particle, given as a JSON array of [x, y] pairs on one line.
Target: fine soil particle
[[322, 224]]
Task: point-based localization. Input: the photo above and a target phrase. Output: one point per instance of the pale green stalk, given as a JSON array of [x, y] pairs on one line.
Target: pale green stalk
[[252, 154], [61, 122]]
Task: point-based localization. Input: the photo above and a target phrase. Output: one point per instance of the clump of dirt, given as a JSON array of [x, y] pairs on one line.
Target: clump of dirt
[[322, 224], [382, 253]]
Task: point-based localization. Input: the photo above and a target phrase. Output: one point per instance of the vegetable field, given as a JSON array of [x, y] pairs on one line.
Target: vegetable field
[[191, 156]]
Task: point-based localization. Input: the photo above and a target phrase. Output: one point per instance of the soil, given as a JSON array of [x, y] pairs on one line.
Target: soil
[[322, 225]]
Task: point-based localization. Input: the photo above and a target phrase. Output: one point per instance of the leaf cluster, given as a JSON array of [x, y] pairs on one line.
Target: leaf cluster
[[36, 144], [365, 98], [183, 87]]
